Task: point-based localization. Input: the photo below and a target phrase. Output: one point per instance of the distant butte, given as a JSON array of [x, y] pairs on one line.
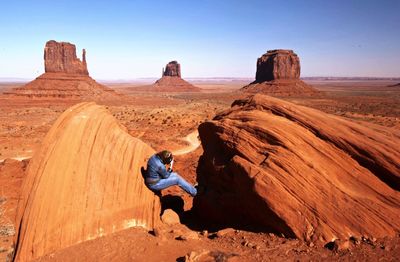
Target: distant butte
[[61, 58], [66, 76], [278, 73], [173, 68], [171, 80]]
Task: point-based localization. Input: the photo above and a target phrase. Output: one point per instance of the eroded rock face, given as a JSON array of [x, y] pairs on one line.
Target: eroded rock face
[[83, 183], [173, 68], [278, 64], [298, 171], [60, 57], [278, 73]]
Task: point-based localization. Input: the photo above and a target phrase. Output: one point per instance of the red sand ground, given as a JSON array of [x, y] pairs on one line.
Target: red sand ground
[[23, 125]]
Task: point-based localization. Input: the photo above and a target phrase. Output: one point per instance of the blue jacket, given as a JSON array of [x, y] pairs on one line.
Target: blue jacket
[[155, 170]]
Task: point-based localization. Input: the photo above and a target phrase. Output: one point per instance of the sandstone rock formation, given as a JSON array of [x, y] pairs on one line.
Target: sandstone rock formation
[[171, 80], [83, 183], [65, 77], [278, 64], [60, 57], [299, 171], [172, 69], [278, 73]]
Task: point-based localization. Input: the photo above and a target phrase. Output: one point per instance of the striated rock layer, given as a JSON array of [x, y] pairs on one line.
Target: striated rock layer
[[64, 86], [65, 77], [278, 73], [83, 183], [281, 88], [295, 170]]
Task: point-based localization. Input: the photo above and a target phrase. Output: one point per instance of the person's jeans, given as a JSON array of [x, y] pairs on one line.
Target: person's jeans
[[172, 180]]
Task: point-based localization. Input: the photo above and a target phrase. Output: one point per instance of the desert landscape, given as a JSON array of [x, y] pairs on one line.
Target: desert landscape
[[351, 127], [287, 165]]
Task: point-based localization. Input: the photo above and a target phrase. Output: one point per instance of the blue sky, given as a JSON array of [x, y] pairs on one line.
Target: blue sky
[[131, 39]]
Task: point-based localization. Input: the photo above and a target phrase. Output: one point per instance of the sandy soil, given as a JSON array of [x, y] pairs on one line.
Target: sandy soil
[[163, 121]]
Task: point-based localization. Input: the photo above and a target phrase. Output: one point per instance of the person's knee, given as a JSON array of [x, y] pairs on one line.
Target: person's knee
[[174, 177]]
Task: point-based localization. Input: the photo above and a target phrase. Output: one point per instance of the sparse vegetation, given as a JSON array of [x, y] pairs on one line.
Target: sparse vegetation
[[6, 226]]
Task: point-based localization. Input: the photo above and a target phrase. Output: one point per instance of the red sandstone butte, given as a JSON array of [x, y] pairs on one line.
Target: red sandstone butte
[[171, 80], [299, 171], [65, 77], [83, 183], [278, 73], [60, 57], [173, 68]]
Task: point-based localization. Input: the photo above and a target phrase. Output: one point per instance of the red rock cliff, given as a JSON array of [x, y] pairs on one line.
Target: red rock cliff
[[278, 64], [60, 57], [173, 68], [83, 183]]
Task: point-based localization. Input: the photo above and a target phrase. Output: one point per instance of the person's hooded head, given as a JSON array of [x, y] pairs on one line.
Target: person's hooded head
[[165, 156]]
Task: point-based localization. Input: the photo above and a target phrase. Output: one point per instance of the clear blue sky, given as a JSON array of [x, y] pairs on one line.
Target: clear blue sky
[[130, 39]]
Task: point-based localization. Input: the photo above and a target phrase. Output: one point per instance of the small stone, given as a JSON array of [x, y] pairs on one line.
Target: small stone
[[169, 217], [338, 245], [204, 233], [343, 245], [311, 244], [225, 231], [191, 235], [355, 240]]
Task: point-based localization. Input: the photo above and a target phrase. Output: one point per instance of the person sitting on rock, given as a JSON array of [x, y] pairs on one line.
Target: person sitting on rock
[[158, 177]]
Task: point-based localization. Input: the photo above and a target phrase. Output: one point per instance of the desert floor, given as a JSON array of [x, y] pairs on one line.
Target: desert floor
[[163, 121]]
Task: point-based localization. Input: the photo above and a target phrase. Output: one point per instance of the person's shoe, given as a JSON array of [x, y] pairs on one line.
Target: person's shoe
[[200, 189]]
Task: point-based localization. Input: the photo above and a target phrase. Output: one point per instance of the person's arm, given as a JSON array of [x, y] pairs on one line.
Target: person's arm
[[171, 166], [163, 172]]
